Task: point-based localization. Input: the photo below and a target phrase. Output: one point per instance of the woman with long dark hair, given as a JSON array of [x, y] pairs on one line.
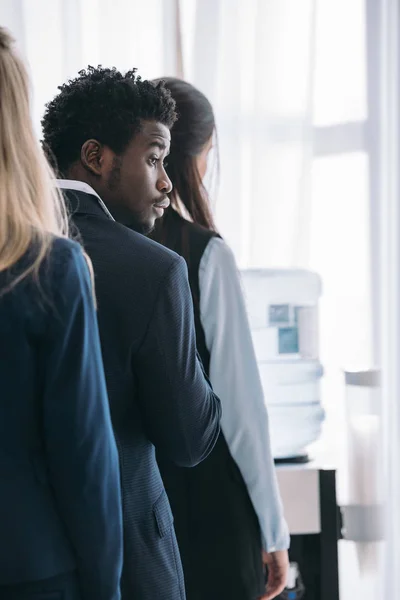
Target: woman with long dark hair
[[60, 513], [227, 510]]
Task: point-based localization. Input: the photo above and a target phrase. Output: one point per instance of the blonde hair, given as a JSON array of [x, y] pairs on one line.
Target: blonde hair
[[31, 207]]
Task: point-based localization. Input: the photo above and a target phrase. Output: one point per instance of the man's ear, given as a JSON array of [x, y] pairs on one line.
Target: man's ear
[[92, 157]]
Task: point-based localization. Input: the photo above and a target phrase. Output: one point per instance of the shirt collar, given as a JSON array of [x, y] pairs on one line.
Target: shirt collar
[[81, 186]]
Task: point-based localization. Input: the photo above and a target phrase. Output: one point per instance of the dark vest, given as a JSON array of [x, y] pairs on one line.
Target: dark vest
[[217, 529]]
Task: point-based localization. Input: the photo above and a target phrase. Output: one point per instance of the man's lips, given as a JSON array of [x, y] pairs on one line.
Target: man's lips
[[164, 203]]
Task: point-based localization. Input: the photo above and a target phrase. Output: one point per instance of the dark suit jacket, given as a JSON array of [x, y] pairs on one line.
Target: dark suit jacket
[[59, 475], [158, 392]]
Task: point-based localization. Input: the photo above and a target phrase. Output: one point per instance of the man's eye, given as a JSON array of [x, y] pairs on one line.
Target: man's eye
[[154, 160], [165, 164]]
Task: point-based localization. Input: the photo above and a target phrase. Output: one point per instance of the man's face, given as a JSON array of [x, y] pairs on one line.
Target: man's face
[[135, 184]]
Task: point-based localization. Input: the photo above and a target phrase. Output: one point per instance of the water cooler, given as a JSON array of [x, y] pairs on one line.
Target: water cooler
[[282, 306], [283, 313]]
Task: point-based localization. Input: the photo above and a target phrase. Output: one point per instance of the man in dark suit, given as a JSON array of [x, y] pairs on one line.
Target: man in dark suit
[[109, 134]]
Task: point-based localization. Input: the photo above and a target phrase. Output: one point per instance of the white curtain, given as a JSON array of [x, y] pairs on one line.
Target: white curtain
[[60, 37], [254, 61]]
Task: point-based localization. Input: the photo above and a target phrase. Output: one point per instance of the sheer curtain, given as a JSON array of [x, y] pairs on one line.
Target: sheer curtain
[[60, 37], [254, 61]]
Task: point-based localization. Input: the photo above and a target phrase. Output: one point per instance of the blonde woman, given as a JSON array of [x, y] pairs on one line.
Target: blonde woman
[[60, 519]]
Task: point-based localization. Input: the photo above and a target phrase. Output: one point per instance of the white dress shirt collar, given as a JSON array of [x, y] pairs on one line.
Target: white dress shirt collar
[[81, 186]]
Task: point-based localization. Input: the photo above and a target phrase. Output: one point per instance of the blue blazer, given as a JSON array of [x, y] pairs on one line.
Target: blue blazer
[[59, 474], [159, 395]]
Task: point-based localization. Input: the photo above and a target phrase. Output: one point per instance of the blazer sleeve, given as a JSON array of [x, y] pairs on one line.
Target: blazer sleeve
[[181, 412], [79, 441]]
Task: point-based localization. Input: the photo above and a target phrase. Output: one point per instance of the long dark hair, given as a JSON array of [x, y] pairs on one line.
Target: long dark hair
[[191, 132]]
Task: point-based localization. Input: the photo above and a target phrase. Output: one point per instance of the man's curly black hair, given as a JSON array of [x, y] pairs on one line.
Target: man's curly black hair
[[105, 105]]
